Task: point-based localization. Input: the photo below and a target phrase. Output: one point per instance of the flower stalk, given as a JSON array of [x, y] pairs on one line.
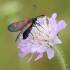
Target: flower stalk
[[60, 55]]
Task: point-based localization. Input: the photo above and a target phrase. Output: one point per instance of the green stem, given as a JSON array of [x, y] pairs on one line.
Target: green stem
[[59, 55]]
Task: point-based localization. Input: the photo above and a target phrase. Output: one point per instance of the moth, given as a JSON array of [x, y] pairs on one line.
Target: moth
[[24, 26]]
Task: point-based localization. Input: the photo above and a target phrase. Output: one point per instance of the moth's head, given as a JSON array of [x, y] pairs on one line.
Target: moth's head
[[33, 20]]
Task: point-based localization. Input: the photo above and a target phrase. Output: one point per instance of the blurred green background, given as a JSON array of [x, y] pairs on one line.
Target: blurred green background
[[15, 10]]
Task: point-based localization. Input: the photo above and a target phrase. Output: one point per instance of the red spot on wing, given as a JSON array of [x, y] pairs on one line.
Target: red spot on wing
[[29, 24], [14, 25], [26, 20], [19, 24], [22, 29]]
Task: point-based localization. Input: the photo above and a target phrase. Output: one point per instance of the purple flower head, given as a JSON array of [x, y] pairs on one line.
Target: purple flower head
[[42, 39]]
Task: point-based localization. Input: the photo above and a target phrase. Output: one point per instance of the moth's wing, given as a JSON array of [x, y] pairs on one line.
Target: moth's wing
[[18, 36], [26, 33], [26, 30], [14, 27]]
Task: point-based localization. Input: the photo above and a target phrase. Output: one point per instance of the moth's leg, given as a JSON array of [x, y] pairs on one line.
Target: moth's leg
[[37, 28], [33, 36], [39, 24]]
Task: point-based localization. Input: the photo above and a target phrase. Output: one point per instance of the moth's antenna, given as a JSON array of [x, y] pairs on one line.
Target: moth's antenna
[[34, 10], [40, 15]]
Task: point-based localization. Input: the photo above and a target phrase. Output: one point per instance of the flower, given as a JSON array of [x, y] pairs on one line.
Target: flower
[[43, 37]]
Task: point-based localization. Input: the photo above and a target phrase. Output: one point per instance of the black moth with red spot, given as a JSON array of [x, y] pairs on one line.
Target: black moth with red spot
[[24, 26]]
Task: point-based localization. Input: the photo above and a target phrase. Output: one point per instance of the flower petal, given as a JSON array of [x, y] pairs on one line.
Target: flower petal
[[40, 20], [26, 49], [50, 53], [57, 40], [21, 54], [30, 58], [61, 25], [20, 45], [44, 18], [52, 20], [39, 56], [37, 48], [54, 15]]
